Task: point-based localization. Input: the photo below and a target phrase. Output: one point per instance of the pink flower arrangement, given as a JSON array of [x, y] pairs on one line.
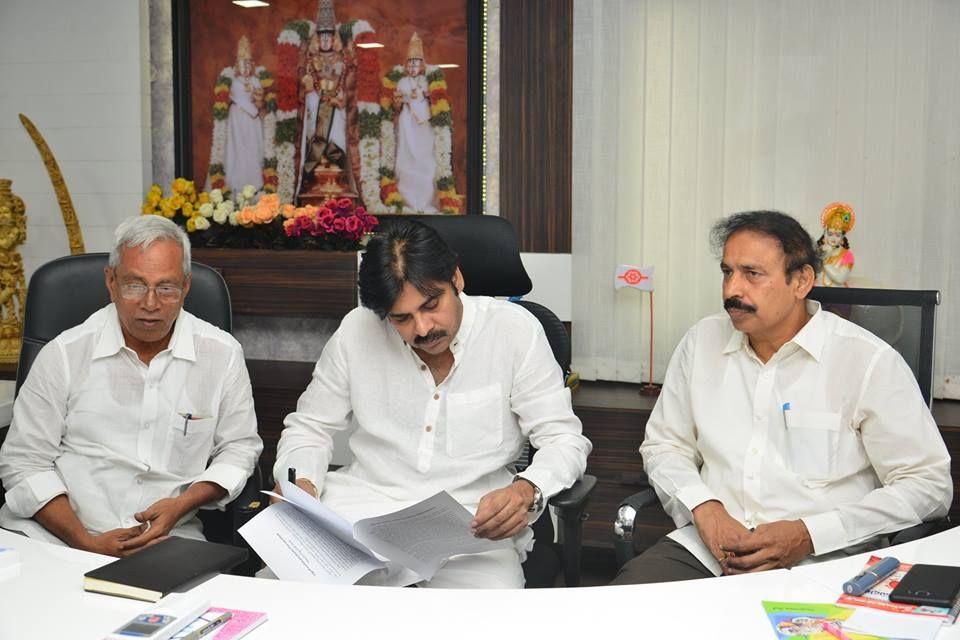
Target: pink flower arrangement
[[337, 218]]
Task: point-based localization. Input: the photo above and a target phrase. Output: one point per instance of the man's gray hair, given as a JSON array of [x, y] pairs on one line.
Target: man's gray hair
[[143, 231]]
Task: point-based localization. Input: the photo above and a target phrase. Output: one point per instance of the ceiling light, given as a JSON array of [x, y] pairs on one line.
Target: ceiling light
[[250, 4], [370, 45], [449, 66]]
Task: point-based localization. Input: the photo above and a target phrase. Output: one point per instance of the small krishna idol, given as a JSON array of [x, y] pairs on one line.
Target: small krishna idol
[[837, 220]]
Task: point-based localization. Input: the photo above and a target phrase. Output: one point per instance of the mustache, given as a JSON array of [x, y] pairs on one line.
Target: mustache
[[736, 303], [430, 337]]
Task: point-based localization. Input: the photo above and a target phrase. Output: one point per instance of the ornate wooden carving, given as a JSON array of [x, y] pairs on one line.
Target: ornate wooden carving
[[74, 235]]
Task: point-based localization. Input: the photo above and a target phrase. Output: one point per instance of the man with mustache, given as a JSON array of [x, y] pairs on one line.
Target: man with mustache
[[443, 390], [784, 434], [131, 421]]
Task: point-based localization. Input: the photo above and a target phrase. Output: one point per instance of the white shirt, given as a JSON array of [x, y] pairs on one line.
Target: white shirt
[[96, 423], [832, 430], [414, 437]]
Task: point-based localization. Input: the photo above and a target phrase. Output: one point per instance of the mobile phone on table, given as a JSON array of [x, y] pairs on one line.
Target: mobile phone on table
[[933, 585]]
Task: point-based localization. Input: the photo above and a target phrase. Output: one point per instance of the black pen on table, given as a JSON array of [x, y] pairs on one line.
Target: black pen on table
[[210, 626]]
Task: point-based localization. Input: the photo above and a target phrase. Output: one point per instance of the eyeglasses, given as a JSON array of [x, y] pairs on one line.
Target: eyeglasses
[[137, 291]]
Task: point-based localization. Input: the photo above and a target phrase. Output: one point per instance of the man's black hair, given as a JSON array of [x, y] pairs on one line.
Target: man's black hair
[[796, 243], [405, 251]]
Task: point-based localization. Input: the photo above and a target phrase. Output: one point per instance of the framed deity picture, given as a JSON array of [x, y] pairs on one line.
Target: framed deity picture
[[379, 101]]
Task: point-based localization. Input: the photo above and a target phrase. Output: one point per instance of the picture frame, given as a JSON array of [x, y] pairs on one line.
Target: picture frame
[[205, 41]]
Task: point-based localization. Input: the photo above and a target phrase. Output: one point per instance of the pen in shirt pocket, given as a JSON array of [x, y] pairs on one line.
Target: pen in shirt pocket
[[187, 417]]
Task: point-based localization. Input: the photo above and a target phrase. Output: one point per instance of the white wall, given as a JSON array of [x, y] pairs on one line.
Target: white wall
[[76, 70]]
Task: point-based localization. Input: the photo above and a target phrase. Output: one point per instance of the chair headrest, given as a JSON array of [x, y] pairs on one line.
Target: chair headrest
[[487, 248]]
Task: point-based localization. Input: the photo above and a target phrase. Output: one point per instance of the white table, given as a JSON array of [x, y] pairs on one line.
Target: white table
[[47, 601]]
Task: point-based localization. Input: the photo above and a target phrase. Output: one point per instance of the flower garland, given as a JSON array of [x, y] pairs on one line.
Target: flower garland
[[290, 42], [221, 110], [368, 94], [291, 39], [441, 120]]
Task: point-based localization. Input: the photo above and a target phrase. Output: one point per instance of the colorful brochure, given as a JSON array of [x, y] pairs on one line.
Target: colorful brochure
[[811, 621]]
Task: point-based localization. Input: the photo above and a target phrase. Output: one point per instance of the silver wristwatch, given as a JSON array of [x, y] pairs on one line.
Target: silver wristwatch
[[537, 503]]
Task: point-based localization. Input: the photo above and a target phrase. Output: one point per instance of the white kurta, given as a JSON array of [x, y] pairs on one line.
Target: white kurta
[[94, 422], [416, 163], [243, 155], [832, 430], [414, 437]]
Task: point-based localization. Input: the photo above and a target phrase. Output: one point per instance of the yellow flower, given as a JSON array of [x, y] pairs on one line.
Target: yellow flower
[[220, 105], [203, 198], [438, 84], [266, 82], [394, 198], [187, 209], [178, 185], [155, 190], [220, 87], [388, 83], [167, 212], [148, 209], [439, 107], [176, 202], [191, 225]]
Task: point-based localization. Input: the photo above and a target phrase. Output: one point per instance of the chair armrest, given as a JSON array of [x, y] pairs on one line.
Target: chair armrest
[[640, 500], [250, 501], [921, 530], [576, 496], [570, 505]]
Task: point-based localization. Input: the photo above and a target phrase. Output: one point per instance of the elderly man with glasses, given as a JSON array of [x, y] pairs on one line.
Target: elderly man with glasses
[[130, 422]]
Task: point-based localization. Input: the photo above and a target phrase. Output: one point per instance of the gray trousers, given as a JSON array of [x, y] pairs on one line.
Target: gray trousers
[[665, 561]]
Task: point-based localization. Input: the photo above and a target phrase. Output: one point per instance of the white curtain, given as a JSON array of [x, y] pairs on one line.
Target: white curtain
[[685, 111]]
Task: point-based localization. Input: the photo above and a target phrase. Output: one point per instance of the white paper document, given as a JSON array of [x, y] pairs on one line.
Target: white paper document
[[301, 539], [903, 626]]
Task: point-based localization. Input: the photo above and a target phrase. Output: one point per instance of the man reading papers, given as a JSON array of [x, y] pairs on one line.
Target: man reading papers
[[443, 389], [132, 420], [783, 431]]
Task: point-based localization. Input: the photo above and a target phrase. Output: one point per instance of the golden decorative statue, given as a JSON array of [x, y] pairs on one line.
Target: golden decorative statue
[[329, 71], [59, 187], [13, 287]]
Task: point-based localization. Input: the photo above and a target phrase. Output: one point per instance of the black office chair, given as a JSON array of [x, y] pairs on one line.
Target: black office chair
[[489, 257], [905, 319], [66, 291]]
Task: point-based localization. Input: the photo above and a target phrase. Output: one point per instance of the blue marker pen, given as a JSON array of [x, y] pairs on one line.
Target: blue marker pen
[[871, 575]]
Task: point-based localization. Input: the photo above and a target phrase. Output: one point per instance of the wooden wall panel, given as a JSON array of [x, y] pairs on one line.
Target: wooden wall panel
[[535, 121], [286, 283]]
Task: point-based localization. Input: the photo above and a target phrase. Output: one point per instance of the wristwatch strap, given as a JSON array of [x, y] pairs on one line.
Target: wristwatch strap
[[537, 503]]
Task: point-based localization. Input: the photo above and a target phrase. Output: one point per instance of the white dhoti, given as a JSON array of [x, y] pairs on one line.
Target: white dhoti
[[243, 155], [416, 164]]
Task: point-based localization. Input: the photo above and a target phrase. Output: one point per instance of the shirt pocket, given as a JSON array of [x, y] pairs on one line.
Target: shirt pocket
[[475, 421], [191, 441], [812, 439]]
